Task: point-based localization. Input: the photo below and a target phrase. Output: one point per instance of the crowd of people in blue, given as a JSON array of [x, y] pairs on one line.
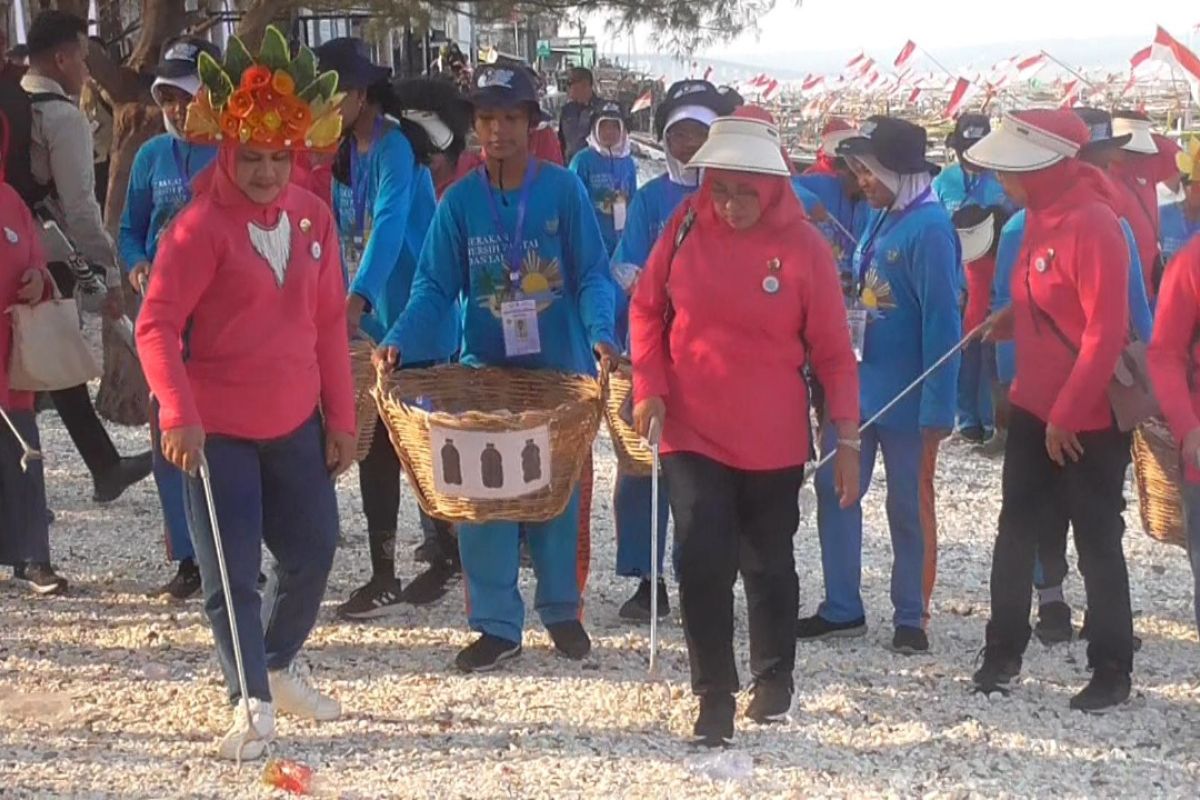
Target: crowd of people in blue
[[1004, 285]]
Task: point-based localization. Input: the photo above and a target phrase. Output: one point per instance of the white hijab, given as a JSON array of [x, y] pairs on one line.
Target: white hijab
[[907, 188], [622, 149], [676, 169]]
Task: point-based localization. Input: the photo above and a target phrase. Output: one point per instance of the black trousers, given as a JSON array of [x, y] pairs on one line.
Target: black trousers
[[74, 406], [1039, 497], [728, 520], [379, 479]]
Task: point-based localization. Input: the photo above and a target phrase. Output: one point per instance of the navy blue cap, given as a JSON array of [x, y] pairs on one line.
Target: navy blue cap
[[181, 57], [897, 144], [500, 87], [351, 60]]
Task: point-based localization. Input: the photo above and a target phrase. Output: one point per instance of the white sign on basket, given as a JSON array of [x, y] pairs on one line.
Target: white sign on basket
[[490, 466]]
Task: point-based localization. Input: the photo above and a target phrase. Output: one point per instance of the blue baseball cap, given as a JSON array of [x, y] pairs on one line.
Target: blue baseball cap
[[503, 87]]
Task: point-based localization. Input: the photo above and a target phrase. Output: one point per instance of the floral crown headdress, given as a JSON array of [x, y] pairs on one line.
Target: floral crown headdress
[[275, 102]]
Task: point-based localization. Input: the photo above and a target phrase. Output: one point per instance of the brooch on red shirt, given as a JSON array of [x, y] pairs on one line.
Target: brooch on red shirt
[[770, 283]]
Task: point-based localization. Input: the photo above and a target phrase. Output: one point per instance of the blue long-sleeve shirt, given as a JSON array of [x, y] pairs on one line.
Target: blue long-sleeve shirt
[[955, 188], [399, 204], [564, 269], [1174, 229], [914, 278], [158, 188], [851, 214], [608, 181], [1009, 249]]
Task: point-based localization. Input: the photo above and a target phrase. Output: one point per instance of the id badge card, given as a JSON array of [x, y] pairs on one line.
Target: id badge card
[[619, 213], [354, 253], [520, 321], [857, 318]]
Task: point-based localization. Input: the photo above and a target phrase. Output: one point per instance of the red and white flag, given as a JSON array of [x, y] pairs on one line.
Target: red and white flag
[[812, 82], [1028, 67], [642, 103], [964, 90], [906, 54], [858, 59], [1167, 48], [771, 90], [1140, 57], [1070, 93], [912, 98]]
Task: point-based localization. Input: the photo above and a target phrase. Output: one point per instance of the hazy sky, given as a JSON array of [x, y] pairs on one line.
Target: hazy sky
[[882, 26]]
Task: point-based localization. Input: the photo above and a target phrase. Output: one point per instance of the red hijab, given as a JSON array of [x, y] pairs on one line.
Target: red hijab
[[219, 180]]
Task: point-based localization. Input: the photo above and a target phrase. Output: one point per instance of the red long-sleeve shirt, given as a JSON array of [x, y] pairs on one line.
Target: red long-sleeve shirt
[[1173, 355], [20, 251], [1077, 266], [223, 344], [979, 291], [729, 367]]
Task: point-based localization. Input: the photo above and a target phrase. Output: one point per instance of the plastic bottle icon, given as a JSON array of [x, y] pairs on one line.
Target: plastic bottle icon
[[451, 464], [531, 462], [492, 466]]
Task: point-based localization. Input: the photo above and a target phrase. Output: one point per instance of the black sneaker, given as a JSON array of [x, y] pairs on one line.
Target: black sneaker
[[637, 608], [973, 435], [910, 641], [379, 598], [41, 578], [770, 701], [1054, 624], [714, 725], [1107, 689], [429, 586], [570, 639], [999, 669], [185, 584], [486, 653], [113, 483], [816, 628]]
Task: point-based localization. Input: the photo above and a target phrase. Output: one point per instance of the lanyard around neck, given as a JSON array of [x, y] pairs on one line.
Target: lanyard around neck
[[514, 242]]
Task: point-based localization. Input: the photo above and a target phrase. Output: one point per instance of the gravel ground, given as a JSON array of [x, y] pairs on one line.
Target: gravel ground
[[129, 701]]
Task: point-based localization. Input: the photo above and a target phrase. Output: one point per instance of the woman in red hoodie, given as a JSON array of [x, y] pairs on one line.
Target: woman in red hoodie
[[1065, 458], [243, 340], [24, 536], [739, 294], [1174, 363]]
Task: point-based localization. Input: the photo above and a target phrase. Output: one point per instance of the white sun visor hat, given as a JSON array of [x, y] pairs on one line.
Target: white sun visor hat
[[1140, 132], [186, 83], [831, 140], [440, 135], [977, 240], [742, 145], [1016, 146]]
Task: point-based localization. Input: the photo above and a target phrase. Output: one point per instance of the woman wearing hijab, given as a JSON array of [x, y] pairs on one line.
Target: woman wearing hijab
[[836, 131], [608, 171], [1065, 459], [752, 296], [160, 184], [904, 315], [681, 123], [963, 183], [517, 245], [1180, 221], [243, 339], [383, 201], [24, 529], [1174, 360]]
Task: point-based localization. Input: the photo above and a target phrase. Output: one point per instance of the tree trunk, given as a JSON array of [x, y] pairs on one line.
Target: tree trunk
[[257, 16], [124, 396]]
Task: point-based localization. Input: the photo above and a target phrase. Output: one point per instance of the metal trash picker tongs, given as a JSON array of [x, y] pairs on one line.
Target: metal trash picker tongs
[[28, 453], [811, 469], [654, 437], [244, 701]]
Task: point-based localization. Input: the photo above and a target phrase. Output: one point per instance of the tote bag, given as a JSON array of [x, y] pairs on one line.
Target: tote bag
[[48, 350]]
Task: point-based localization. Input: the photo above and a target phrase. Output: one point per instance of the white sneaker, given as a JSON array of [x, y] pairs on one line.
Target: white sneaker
[[294, 693], [250, 741]]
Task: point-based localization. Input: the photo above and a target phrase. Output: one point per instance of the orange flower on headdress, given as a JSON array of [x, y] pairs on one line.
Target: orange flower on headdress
[[274, 101]]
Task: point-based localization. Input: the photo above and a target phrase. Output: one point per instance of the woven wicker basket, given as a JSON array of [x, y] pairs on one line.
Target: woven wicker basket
[[633, 454], [1156, 469], [365, 409], [490, 400]]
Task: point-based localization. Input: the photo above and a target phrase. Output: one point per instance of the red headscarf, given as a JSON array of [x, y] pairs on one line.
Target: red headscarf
[[219, 179], [826, 163]]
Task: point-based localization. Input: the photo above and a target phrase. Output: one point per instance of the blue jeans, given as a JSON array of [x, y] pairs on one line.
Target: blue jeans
[[278, 493], [169, 481], [491, 560], [631, 512], [841, 531], [1191, 503], [24, 534], [975, 376]]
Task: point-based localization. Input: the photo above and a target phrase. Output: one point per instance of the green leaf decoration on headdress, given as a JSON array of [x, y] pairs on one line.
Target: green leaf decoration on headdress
[[322, 88], [215, 79], [237, 60], [304, 67], [274, 53]]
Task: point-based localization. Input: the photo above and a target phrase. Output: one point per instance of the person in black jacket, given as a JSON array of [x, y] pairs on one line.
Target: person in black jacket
[[575, 123]]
